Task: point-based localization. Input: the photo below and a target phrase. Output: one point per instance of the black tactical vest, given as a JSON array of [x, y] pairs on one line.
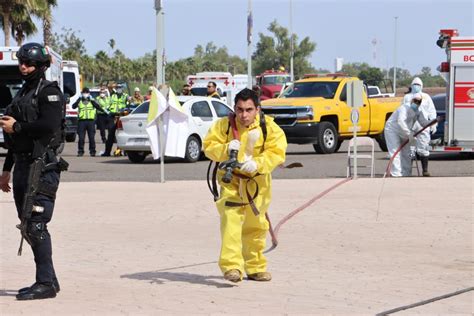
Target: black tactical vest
[[25, 108]]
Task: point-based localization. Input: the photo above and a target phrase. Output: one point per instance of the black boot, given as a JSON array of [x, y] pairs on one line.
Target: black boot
[[56, 287], [424, 166], [37, 292]]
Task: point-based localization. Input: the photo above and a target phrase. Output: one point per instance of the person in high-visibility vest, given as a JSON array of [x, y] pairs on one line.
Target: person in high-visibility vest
[[212, 90], [260, 150], [118, 102], [103, 119], [86, 114]]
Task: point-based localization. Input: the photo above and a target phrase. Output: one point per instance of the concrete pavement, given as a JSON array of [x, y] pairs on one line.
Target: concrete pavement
[[123, 248]]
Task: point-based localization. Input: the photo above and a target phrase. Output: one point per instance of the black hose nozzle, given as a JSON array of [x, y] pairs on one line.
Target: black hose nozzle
[[229, 166]]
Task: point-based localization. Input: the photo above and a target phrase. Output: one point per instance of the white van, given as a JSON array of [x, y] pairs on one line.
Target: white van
[[72, 89]]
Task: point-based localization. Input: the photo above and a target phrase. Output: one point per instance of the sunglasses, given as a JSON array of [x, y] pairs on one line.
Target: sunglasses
[[26, 62]]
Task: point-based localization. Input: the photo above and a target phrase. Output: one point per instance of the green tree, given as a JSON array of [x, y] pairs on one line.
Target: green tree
[[16, 17], [274, 51], [70, 45], [47, 17], [371, 76], [21, 23], [354, 69]]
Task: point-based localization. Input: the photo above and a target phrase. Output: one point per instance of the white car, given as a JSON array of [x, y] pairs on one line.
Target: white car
[[202, 112]]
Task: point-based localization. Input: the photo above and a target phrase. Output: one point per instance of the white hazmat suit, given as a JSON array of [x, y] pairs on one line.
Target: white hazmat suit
[[429, 111], [399, 128]]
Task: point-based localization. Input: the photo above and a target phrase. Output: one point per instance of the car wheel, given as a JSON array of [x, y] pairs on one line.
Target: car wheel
[[136, 156], [381, 141], [71, 138], [193, 149], [327, 138]]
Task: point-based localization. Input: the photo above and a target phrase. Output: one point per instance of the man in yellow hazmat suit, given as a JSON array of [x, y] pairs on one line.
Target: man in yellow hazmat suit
[[261, 148]]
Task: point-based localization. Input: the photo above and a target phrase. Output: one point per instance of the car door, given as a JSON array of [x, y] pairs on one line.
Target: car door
[[202, 117]]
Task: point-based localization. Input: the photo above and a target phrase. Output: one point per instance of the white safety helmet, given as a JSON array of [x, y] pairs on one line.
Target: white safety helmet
[[417, 81], [137, 89]]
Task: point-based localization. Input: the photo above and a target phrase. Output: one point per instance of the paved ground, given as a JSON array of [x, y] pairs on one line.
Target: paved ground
[[151, 250], [87, 169]]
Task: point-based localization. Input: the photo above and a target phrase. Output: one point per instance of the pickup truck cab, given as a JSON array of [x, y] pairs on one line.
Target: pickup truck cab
[[374, 92], [314, 111]]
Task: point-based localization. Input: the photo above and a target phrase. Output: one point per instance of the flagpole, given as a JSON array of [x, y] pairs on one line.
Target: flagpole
[[291, 42], [165, 91], [160, 76], [159, 42], [249, 45]]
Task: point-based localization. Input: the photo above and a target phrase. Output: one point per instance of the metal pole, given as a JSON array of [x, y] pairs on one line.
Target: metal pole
[[355, 151], [395, 59], [292, 76], [160, 76], [249, 45], [162, 149], [159, 42]]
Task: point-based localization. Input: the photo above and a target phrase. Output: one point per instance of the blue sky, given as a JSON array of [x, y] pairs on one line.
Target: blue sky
[[340, 28]]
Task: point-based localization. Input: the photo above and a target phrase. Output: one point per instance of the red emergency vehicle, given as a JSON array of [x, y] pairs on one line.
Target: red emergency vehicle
[[459, 72]]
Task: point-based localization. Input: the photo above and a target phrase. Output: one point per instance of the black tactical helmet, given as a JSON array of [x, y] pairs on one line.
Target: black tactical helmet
[[34, 54]]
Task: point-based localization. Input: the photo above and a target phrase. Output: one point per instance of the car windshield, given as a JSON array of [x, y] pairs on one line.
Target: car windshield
[[321, 89], [95, 94], [372, 91], [199, 91], [276, 80], [142, 108]]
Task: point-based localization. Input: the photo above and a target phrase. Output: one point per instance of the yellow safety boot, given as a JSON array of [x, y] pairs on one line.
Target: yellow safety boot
[[233, 275], [260, 276]]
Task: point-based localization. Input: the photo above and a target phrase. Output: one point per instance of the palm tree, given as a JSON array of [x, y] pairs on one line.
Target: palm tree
[[21, 23], [6, 8], [112, 45], [16, 14], [47, 21]]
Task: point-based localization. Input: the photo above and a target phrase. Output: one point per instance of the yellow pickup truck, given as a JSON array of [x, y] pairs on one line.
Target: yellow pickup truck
[[314, 111]]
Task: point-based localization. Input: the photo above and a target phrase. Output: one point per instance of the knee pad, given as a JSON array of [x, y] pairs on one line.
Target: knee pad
[[36, 232]]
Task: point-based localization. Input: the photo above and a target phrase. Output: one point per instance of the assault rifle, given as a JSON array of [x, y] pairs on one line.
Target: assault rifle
[[34, 175]]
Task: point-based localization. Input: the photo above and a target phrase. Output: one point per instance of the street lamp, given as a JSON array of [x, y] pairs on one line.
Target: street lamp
[[292, 76], [160, 47], [395, 59]]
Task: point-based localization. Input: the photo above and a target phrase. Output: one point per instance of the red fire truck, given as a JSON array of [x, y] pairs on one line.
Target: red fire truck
[[459, 72], [271, 82]]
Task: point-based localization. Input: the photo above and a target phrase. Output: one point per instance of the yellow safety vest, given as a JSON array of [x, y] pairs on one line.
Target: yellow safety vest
[[86, 111], [103, 102], [117, 104]]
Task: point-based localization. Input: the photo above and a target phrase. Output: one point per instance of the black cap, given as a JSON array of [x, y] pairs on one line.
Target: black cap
[[85, 90], [35, 54]]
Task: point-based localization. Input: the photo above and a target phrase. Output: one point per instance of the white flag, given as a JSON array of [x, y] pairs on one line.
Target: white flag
[[175, 125], [157, 107]]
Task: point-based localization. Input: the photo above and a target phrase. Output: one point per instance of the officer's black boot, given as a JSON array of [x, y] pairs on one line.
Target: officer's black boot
[[424, 166], [37, 292], [56, 287]]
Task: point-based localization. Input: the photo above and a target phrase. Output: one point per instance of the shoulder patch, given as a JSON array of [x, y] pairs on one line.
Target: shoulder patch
[[53, 98]]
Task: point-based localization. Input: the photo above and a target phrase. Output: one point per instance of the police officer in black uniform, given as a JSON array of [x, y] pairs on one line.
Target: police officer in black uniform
[[33, 128]]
